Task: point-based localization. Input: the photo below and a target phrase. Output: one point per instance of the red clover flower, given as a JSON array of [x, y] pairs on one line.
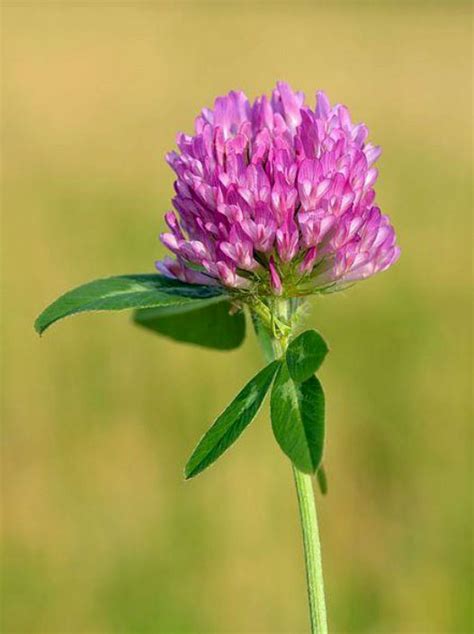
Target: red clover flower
[[276, 198]]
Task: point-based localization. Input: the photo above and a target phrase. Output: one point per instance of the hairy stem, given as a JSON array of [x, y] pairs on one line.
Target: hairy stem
[[273, 348]]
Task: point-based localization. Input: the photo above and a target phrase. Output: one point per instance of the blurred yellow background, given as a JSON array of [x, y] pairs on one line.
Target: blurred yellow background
[[100, 532]]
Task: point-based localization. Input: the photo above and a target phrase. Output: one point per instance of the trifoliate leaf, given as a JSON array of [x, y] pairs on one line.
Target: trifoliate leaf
[[305, 355], [126, 292], [297, 411], [232, 422], [205, 323]]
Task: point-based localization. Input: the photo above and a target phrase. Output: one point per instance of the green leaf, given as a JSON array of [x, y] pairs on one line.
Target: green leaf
[[322, 479], [297, 411], [305, 355], [125, 292], [232, 422], [205, 323]]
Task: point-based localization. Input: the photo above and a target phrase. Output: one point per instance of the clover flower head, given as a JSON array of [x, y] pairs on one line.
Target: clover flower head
[[276, 198]]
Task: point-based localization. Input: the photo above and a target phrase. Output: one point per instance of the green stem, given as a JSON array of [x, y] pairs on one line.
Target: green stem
[[312, 552], [272, 349]]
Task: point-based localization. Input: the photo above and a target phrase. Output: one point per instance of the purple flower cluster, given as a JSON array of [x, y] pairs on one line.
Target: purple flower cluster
[[276, 198]]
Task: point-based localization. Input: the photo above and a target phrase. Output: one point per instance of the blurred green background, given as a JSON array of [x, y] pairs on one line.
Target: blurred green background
[[100, 532]]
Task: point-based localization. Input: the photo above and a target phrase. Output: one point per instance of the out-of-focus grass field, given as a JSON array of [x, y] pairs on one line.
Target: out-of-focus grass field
[[100, 532]]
